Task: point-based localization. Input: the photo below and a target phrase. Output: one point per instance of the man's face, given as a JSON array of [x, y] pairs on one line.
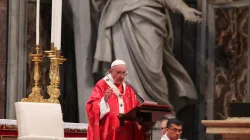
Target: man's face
[[174, 132], [163, 127], [118, 73]]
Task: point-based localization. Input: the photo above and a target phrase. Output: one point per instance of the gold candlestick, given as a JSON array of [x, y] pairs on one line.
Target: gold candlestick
[[35, 95], [54, 75], [50, 53]]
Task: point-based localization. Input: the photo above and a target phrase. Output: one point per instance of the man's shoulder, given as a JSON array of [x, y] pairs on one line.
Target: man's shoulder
[[101, 82], [130, 88], [164, 137]]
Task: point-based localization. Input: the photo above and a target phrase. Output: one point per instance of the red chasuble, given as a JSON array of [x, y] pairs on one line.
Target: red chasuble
[[108, 128]]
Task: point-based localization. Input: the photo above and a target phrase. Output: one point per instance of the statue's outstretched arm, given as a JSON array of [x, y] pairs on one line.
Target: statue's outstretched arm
[[189, 14]]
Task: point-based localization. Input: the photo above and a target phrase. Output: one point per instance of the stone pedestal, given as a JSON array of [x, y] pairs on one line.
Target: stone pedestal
[[230, 129]]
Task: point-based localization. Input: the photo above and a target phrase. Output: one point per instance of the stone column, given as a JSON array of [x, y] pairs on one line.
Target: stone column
[[3, 51], [17, 55], [201, 109]]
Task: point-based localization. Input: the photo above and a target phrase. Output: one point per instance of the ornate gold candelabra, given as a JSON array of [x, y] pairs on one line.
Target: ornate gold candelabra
[[54, 75], [35, 95]]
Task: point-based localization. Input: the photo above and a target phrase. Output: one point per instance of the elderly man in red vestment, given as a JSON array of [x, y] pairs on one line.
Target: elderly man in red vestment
[[110, 97]]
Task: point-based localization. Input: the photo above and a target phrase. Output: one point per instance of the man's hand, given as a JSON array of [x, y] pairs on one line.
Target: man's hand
[[107, 94], [138, 125]]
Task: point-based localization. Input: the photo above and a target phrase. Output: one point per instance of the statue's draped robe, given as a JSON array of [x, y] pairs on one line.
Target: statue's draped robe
[[108, 127], [140, 33], [77, 15]]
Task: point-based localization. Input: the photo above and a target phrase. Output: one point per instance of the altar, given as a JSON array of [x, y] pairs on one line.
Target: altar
[[8, 129], [230, 129]]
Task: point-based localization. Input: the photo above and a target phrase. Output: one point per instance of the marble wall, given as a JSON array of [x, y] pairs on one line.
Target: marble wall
[[228, 60], [231, 59], [3, 43]]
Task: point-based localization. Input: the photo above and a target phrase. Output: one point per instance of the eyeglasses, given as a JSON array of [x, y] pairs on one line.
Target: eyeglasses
[[122, 73], [176, 130]]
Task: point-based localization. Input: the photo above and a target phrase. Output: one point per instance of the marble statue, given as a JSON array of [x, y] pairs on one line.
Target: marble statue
[[140, 33]]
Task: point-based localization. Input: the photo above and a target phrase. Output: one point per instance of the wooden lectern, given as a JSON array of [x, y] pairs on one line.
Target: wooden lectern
[[146, 115]]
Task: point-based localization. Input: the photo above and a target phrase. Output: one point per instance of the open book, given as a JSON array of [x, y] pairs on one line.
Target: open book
[[149, 103]]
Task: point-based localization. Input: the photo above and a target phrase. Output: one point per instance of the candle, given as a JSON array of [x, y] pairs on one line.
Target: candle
[[53, 21], [37, 21], [59, 24]]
